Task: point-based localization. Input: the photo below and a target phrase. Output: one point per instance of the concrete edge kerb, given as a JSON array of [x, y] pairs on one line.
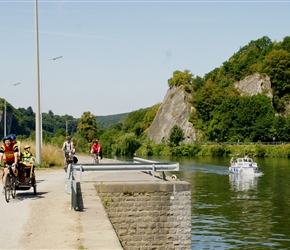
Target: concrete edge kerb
[[113, 187]]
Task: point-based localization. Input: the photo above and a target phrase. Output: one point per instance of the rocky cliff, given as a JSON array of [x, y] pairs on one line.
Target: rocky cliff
[[175, 108], [255, 84]]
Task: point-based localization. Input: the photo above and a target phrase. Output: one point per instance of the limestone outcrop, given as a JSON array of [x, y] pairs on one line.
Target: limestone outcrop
[[255, 84], [174, 110]]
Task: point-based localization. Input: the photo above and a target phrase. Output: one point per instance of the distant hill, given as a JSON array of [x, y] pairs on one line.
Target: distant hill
[[107, 120]]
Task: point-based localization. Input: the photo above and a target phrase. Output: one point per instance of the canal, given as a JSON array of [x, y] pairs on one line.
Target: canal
[[237, 212]]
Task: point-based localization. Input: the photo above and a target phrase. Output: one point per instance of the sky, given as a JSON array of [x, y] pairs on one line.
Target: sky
[[117, 56]]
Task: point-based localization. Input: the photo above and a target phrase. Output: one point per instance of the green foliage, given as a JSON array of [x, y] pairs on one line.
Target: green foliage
[[198, 83], [207, 98], [188, 149], [282, 128], [246, 60], [128, 192], [150, 115], [260, 150], [180, 78], [133, 121], [108, 139], [285, 44], [151, 148], [219, 150], [205, 151], [87, 127], [126, 144], [58, 140], [81, 144], [242, 118], [277, 66], [176, 135], [109, 120]]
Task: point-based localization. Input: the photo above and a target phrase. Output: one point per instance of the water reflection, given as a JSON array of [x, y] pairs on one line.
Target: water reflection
[[239, 182]]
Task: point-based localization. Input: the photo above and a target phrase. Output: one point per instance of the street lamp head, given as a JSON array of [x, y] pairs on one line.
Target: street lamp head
[[58, 57]]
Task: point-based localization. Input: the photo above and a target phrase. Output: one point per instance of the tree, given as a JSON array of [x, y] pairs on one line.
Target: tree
[[150, 115], [176, 135], [180, 78], [132, 119], [87, 126], [286, 43], [127, 144], [207, 98], [282, 127], [242, 118], [277, 66]]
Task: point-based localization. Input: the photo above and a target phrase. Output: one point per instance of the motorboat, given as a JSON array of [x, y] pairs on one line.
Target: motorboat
[[243, 165]]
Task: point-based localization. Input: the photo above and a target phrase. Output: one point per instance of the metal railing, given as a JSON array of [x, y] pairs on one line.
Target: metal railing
[[138, 164]]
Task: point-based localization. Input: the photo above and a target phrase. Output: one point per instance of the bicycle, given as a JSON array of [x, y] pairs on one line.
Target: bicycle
[[68, 161], [10, 183], [96, 159]]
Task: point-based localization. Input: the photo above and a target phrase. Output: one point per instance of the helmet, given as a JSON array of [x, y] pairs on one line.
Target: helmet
[[68, 138], [7, 137], [13, 137], [27, 146]]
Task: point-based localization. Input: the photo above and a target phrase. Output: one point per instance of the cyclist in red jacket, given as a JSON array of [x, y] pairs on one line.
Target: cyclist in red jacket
[[97, 149]]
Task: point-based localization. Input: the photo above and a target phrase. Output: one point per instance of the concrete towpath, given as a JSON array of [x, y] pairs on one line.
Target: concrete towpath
[[46, 220], [98, 233]]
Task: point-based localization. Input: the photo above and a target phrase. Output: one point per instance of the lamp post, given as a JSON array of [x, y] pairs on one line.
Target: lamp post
[[37, 112], [50, 59], [5, 111]]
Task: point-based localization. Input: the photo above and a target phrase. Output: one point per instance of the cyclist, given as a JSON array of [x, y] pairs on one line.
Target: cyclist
[[9, 152], [97, 150], [14, 141], [68, 149]]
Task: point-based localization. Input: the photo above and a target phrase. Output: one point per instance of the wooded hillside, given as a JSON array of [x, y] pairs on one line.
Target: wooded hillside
[[219, 111]]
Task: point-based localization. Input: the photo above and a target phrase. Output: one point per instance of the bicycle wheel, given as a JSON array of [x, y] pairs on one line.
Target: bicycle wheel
[[13, 187], [7, 187], [34, 189]]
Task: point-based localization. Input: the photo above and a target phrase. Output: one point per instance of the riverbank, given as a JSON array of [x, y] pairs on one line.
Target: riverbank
[[216, 149]]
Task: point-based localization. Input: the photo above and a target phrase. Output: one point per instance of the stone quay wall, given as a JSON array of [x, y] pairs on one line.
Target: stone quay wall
[[154, 215]]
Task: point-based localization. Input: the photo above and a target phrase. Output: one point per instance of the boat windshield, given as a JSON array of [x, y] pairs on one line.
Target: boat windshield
[[245, 160]]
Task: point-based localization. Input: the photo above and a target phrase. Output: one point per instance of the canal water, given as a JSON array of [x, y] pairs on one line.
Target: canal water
[[237, 212]]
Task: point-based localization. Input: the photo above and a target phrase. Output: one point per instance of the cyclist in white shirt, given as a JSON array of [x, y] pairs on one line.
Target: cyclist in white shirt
[[67, 149]]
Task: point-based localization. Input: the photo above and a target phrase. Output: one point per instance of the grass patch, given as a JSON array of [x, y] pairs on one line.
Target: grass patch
[[82, 248], [128, 192]]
